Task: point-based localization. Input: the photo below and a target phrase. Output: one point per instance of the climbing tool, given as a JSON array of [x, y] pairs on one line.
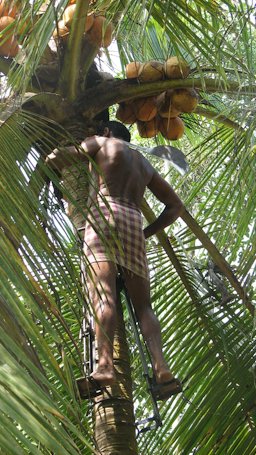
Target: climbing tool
[[155, 421]]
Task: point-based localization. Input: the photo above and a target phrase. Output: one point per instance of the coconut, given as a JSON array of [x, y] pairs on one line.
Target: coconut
[[171, 128], [101, 32], [151, 71], [89, 22], [10, 47], [61, 31], [132, 70], [125, 113], [176, 68], [68, 15], [145, 108], [164, 105], [5, 21], [184, 99], [148, 129]]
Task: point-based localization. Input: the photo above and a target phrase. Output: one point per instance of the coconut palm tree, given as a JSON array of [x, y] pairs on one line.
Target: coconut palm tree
[[52, 94]]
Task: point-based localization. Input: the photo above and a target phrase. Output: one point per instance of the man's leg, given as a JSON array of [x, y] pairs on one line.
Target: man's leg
[[102, 287], [139, 291]]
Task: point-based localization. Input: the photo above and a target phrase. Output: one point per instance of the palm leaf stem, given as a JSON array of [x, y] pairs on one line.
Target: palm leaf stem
[[206, 242], [216, 116], [164, 241], [217, 258], [209, 69], [112, 92], [88, 56], [69, 79]]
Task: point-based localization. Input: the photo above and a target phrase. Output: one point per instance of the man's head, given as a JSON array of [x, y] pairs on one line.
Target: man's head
[[115, 129]]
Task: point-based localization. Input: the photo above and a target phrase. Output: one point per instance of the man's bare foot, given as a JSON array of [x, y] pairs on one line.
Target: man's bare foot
[[163, 374], [104, 375]]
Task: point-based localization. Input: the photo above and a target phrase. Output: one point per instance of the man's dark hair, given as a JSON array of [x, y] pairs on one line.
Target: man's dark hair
[[117, 129]]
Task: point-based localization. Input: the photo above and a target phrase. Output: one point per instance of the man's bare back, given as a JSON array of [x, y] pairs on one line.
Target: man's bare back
[[124, 172]]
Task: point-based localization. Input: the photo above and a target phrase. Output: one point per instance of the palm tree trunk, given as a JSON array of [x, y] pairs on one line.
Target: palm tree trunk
[[113, 409]]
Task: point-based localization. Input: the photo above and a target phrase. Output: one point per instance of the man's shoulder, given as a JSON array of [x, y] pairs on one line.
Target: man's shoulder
[[115, 143]]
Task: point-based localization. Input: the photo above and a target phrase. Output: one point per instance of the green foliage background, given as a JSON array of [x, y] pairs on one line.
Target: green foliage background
[[208, 332]]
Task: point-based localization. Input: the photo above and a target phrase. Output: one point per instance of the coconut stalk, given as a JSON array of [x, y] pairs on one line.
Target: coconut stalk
[[70, 75], [112, 92]]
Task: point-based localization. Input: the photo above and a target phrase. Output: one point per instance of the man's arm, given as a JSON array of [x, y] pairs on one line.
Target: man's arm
[[66, 156], [173, 205]]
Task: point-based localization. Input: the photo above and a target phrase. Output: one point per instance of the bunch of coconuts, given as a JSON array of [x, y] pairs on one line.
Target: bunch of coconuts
[[98, 30], [14, 26], [160, 113]]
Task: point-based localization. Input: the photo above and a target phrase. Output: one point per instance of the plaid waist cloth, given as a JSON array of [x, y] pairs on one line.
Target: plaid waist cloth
[[114, 232]]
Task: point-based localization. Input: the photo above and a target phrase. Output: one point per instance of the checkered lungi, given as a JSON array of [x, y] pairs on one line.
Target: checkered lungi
[[114, 232]]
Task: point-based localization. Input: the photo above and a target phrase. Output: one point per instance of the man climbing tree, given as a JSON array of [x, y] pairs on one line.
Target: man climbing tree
[[115, 199]]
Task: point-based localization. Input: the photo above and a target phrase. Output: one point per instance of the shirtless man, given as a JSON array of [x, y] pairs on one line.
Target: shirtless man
[[124, 174]]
